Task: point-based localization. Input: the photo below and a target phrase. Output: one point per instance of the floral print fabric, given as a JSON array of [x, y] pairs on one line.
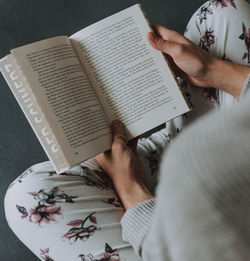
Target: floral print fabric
[[46, 210], [72, 216], [245, 36], [76, 215]]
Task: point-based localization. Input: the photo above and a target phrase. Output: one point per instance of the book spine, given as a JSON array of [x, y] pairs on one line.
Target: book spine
[[28, 103]]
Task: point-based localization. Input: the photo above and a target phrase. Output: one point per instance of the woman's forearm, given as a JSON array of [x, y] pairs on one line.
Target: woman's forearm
[[227, 76], [133, 194]]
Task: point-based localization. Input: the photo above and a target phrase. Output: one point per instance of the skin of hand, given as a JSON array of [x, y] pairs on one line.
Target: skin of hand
[[125, 168], [196, 65]]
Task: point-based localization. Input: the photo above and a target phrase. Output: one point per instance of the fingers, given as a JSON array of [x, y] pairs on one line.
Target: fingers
[[160, 44], [118, 129], [119, 145], [169, 35], [167, 41], [119, 138], [118, 134]]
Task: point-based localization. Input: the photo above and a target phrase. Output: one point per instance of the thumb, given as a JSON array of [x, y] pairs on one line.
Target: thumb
[[118, 131], [164, 46]]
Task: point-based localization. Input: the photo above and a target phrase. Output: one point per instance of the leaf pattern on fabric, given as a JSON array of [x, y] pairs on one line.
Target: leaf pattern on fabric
[[75, 223], [93, 219], [207, 40], [204, 11], [45, 254], [109, 255], [245, 36], [80, 230], [23, 211], [114, 202]]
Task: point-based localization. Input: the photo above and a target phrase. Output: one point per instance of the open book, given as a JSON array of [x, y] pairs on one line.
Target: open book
[[71, 88]]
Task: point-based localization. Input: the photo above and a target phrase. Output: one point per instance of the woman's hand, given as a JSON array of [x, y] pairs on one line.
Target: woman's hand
[[196, 65], [125, 168]]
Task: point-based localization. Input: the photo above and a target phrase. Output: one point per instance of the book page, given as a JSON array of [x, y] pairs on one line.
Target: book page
[[132, 80], [65, 96]]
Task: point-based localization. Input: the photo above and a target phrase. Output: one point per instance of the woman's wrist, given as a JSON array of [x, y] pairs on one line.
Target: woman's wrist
[[133, 194], [227, 76]]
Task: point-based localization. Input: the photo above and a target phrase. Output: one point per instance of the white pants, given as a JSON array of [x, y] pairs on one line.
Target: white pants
[[76, 215]]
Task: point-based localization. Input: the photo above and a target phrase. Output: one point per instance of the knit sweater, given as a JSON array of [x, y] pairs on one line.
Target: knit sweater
[[202, 205]]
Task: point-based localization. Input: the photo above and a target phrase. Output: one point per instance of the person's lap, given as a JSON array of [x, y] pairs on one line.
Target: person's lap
[[77, 214], [66, 216]]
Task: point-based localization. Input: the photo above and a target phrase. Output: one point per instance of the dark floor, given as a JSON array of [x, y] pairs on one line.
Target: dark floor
[[26, 21]]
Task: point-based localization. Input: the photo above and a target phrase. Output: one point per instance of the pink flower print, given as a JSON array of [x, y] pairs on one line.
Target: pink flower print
[[223, 3], [46, 210], [207, 8], [44, 214], [41, 213]]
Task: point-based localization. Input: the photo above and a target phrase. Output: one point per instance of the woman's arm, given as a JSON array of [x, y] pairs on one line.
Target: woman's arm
[[121, 162], [195, 216], [198, 66]]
